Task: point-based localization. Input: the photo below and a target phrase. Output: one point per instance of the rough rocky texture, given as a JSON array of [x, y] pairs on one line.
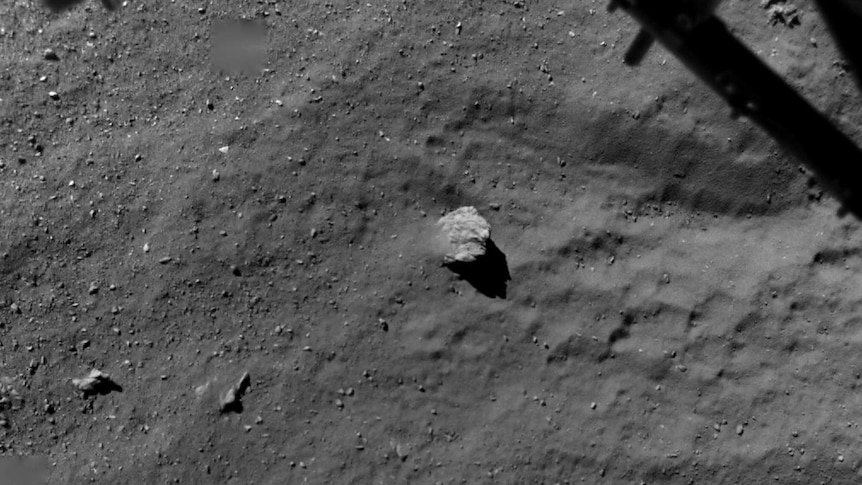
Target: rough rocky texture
[[467, 233], [672, 274]]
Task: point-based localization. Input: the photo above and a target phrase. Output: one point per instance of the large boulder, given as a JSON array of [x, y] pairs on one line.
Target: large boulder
[[468, 234], [96, 382]]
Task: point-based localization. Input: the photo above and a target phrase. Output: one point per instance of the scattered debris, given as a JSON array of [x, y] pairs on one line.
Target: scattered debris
[[96, 382], [230, 401], [467, 233], [10, 399]]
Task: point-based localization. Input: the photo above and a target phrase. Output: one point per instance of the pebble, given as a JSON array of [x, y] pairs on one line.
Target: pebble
[[94, 288], [739, 429], [224, 149], [53, 95], [216, 175], [165, 260], [50, 55]]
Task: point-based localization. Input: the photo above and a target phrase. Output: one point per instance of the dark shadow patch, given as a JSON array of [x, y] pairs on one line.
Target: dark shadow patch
[[107, 388], [489, 274], [835, 255]]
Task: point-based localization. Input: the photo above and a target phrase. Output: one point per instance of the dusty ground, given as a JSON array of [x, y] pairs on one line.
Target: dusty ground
[[683, 307]]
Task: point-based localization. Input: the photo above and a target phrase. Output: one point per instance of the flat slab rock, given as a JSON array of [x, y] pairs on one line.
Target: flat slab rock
[[467, 233]]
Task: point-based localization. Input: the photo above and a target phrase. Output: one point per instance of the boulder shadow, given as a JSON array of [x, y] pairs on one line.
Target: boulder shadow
[[489, 273], [103, 387]]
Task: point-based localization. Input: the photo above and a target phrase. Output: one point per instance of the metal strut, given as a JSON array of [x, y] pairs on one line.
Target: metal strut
[[691, 31]]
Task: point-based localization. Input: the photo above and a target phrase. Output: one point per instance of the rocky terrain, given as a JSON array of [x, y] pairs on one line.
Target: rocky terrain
[[229, 211]]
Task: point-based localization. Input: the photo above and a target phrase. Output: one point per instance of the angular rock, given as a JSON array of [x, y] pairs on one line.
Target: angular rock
[[96, 382], [230, 401], [467, 233]]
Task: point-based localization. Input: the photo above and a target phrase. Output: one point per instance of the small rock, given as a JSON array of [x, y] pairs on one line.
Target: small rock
[[402, 452], [739, 429], [224, 149], [165, 260], [93, 289], [14, 308], [50, 55], [216, 175], [53, 95], [235, 270], [96, 382], [467, 233]]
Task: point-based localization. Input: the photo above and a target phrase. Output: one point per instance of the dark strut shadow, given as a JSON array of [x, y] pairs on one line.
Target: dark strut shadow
[[488, 273]]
